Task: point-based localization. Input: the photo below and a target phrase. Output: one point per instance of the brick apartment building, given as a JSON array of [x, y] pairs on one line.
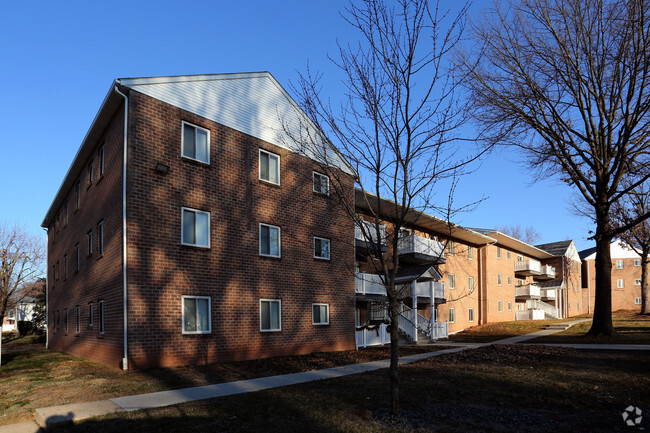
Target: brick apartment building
[[191, 229], [626, 278]]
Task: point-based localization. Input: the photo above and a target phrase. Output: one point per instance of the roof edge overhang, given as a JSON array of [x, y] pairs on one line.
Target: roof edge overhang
[[520, 246], [364, 201], [107, 110]]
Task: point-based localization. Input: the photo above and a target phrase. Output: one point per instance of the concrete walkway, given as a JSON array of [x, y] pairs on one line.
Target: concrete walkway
[[48, 416]]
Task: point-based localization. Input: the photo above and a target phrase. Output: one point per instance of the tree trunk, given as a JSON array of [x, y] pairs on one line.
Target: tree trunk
[[602, 321], [394, 357], [645, 284]]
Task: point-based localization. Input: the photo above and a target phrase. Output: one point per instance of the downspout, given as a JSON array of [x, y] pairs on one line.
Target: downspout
[[480, 285], [125, 359], [588, 289]]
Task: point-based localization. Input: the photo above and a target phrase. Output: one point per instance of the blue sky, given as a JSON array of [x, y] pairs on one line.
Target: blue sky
[[58, 60]]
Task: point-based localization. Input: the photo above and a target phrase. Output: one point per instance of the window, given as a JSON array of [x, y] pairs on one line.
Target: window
[[637, 262], [509, 280], [509, 306], [619, 264], [102, 329], [452, 315], [269, 240], [520, 258], [470, 284], [637, 281], [270, 312], [320, 314], [498, 252], [269, 167], [100, 237], [65, 214], [377, 311], [470, 315], [195, 228], [321, 248], [91, 314], [470, 253], [196, 315], [637, 301], [66, 320], [499, 279], [450, 248], [196, 143], [89, 238], [620, 284], [76, 257], [321, 184], [91, 172], [101, 161], [500, 306], [452, 281], [508, 255], [77, 195], [65, 266], [78, 315]]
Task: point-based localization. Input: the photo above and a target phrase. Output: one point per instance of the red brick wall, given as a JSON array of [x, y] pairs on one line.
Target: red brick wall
[[622, 298], [99, 276], [231, 272]]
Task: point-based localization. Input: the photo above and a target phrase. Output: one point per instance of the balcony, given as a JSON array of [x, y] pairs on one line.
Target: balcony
[[546, 273], [525, 268], [529, 291], [366, 238], [418, 250], [549, 295], [423, 289], [369, 284], [529, 315]]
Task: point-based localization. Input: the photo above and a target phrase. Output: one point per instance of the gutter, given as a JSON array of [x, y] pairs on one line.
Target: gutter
[[125, 359]]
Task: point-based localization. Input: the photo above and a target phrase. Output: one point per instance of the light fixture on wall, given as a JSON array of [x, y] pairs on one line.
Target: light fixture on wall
[[162, 168]]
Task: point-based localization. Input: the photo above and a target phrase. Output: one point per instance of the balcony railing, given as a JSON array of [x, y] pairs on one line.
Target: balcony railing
[[414, 244], [529, 315], [423, 289], [372, 337], [370, 234], [531, 267], [369, 284], [549, 295], [527, 291], [547, 271]]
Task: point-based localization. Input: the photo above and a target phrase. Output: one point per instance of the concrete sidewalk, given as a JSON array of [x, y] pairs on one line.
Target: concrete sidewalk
[[48, 416]]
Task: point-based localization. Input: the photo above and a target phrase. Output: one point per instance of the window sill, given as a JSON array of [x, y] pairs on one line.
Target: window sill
[[264, 256], [89, 185], [195, 247], [196, 161], [269, 183], [322, 259], [99, 256]]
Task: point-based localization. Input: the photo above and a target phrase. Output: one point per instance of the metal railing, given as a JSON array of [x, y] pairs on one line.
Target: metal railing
[[548, 271], [528, 265], [369, 284], [376, 336], [420, 245], [529, 290], [370, 230]]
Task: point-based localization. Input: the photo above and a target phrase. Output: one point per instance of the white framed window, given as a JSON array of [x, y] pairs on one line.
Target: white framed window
[[269, 167], [195, 143], [100, 237], [65, 214], [509, 280], [78, 315], [320, 314], [637, 262], [77, 195], [76, 257], [452, 315], [619, 264], [101, 161], [321, 183], [89, 240], [91, 172], [470, 284], [196, 314], [470, 315], [470, 253], [500, 306], [520, 258], [65, 266], [102, 329], [91, 314], [620, 284], [321, 248], [452, 281], [195, 227], [66, 320], [637, 301], [270, 241], [509, 306], [270, 315], [499, 279], [508, 256], [637, 281], [498, 252], [450, 248]]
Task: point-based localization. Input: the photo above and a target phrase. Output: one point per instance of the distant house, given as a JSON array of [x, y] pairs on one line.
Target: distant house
[[626, 277], [23, 311]]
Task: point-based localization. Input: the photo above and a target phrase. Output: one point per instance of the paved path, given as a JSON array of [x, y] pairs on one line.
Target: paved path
[[79, 411]]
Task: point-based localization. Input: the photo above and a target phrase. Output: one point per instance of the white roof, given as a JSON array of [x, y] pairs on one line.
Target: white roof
[[617, 250], [253, 103]]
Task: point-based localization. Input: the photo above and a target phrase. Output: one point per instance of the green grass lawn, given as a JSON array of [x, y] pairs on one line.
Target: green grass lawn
[[490, 389]]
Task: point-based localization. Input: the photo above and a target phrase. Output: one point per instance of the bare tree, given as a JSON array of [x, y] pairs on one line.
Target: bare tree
[[567, 81], [638, 237], [21, 258], [526, 234], [396, 126]]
